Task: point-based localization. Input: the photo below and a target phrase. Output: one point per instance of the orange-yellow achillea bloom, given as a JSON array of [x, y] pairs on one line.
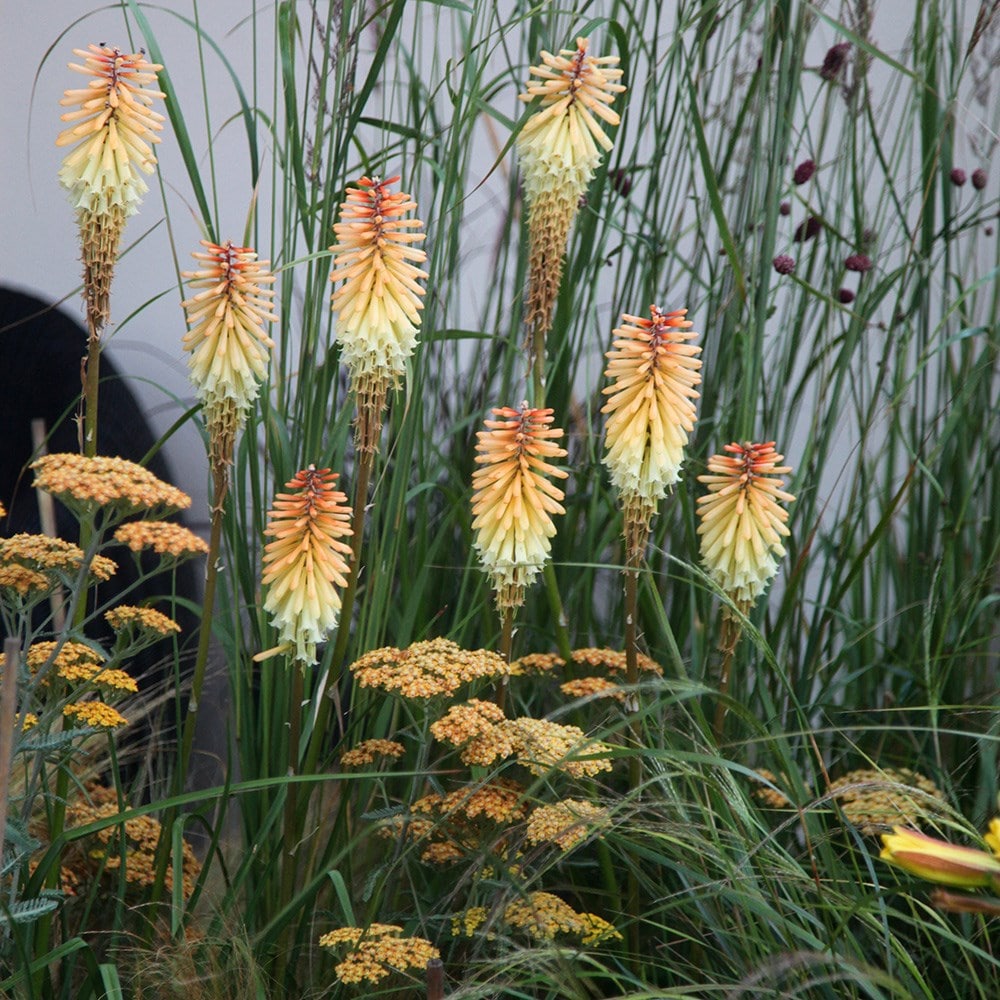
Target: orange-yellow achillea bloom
[[113, 128], [227, 341], [651, 406], [741, 521], [559, 148], [939, 861], [307, 561], [378, 306], [513, 501]]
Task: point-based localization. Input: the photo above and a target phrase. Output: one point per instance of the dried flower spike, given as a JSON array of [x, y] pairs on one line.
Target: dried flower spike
[[560, 147], [378, 306], [113, 129], [306, 562], [742, 522], [651, 409], [513, 501]]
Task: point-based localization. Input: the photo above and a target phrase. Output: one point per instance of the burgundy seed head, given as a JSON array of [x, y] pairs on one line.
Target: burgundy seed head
[[784, 264], [784, 208], [988, 230], [833, 61], [804, 171], [808, 229], [621, 182], [979, 178], [858, 262], [957, 176], [845, 295]]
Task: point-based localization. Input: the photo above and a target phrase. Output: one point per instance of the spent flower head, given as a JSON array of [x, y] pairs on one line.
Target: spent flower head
[[513, 502], [307, 560], [742, 521], [651, 408]]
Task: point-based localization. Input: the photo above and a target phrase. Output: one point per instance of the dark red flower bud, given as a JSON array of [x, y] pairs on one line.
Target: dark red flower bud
[[804, 171], [957, 176], [845, 295], [784, 208], [784, 264], [621, 182], [858, 262], [979, 178], [833, 61], [808, 229]]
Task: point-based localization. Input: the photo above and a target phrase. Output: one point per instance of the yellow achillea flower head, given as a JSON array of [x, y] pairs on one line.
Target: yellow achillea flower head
[[378, 951], [560, 147], [938, 861], [742, 522], [651, 408], [167, 539], [566, 823], [305, 563], [227, 341], [378, 306], [368, 751], [42, 555], [113, 129], [129, 617], [542, 916], [513, 502], [85, 483], [95, 714], [427, 668]]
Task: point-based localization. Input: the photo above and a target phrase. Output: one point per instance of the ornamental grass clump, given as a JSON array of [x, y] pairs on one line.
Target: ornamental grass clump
[[560, 147]]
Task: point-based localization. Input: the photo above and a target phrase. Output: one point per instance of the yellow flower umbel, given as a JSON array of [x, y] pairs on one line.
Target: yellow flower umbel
[[227, 340], [305, 563], [651, 413], [513, 501], [742, 522], [378, 306], [112, 132], [560, 147]]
